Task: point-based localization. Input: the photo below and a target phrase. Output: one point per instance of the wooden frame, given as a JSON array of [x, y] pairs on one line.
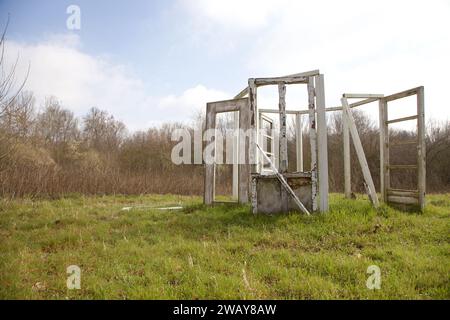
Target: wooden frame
[[317, 131], [249, 116], [398, 196], [212, 109]]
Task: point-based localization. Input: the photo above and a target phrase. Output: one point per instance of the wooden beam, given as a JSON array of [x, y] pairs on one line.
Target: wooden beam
[[411, 193], [283, 128], [244, 143], [209, 185], [384, 150], [253, 109], [313, 142], [362, 95], [322, 151], [347, 158], [421, 148], [236, 156], [403, 200], [360, 153], [402, 94], [242, 94], [353, 105], [276, 80], [402, 119], [402, 166]]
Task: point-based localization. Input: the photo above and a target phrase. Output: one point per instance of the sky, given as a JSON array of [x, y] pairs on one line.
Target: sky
[[148, 62]]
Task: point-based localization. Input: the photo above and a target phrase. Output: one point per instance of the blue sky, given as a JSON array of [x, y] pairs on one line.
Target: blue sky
[[152, 61]]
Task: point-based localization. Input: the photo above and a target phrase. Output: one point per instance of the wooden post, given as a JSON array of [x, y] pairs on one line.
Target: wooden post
[[421, 148], [322, 140], [299, 141], [210, 167], [384, 150], [253, 116], [244, 168], [313, 141], [360, 153], [347, 159], [283, 131], [236, 156]]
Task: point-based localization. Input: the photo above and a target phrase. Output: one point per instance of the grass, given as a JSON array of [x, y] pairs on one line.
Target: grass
[[222, 252]]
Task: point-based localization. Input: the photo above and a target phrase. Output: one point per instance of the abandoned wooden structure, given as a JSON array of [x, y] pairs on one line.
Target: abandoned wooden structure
[[260, 166]]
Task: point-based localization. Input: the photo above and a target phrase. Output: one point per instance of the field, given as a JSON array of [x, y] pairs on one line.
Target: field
[[222, 252]]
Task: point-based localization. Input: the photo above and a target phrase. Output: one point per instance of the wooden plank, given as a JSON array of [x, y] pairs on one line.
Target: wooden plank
[[347, 159], [313, 142], [242, 94], [236, 157], [402, 190], [421, 148], [402, 94], [402, 119], [294, 112], [402, 166], [254, 194], [403, 200], [253, 116], [322, 152], [360, 152], [223, 104], [353, 105], [299, 142], [362, 95], [412, 194], [384, 150], [331, 109], [277, 80], [283, 128], [209, 185], [244, 145]]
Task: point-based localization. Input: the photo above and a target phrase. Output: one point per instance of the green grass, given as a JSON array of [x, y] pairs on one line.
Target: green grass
[[222, 252]]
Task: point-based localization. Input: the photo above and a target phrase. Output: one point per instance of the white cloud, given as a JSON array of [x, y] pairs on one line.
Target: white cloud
[[380, 46], [190, 102], [82, 81], [233, 14]]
